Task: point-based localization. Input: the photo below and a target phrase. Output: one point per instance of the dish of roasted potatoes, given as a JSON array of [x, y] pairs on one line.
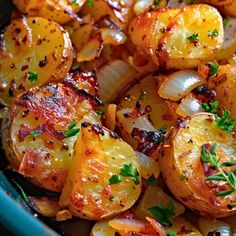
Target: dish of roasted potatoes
[[119, 115]]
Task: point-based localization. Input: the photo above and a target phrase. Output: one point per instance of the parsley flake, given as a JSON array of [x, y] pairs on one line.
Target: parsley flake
[[213, 33], [212, 107], [130, 171], [152, 180], [90, 3], [224, 122], [115, 179], [75, 2], [213, 69], [163, 214], [100, 113], [32, 76], [170, 233], [34, 134], [193, 37], [155, 4], [70, 129], [142, 95]]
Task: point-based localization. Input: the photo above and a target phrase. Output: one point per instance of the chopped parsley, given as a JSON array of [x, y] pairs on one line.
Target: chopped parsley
[[212, 107], [155, 4], [142, 95], [213, 33], [224, 122], [75, 2], [170, 233], [152, 180], [130, 171], [70, 129], [100, 113], [32, 76], [34, 134], [209, 157], [115, 179], [193, 37], [163, 214], [213, 69], [90, 3]]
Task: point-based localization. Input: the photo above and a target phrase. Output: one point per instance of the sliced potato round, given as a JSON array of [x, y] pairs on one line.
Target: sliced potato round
[[104, 177], [59, 11], [185, 172], [181, 37], [34, 51], [37, 138]]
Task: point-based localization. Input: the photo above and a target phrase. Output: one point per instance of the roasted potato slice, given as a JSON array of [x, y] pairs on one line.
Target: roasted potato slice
[[227, 7], [225, 89], [104, 177], [59, 11], [40, 130], [34, 51], [181, 37], [186, 173]]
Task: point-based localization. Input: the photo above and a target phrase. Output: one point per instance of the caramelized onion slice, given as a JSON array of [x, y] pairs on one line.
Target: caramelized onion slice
[[178, 84], [112, 36]]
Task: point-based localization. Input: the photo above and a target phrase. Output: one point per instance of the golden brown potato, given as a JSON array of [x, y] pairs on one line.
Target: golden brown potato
[[104, 177], [225, 89], [40, 130], [227, 7], [181, 37], [59, 11], [185, 171], [34, 51]]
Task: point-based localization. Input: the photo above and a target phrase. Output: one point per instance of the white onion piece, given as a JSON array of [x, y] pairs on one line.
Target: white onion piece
[[91, 50], [112, 78], [179, 84], [141, 6], [112, 36], [148, 165], [127, 124], [189, 106], [207, 225]]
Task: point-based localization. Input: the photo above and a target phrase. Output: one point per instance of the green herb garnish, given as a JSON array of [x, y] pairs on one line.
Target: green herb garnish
[[224, 122], [152, 180], [32, 76], [115, 179], [100, 113], [213, 69], [75, 2], [70, 129], [130, 171], [90, 3], [155, 4], [34, 134], [170, 233], [209, 157], [193, 37], [22, 192], [142, 95], [213, 33], [163, 214], [212, 107]]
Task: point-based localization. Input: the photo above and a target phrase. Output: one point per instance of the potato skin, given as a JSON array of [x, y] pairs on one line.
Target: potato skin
[[58, 11], [183, 170], [32, 44], [99, 154], [44, 155], [163, 34], [227, 7]]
